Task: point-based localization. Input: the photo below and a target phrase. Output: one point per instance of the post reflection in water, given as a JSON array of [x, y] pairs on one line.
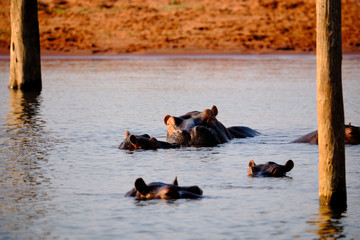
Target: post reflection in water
[[328, 224], [24, 108], [23, 185]]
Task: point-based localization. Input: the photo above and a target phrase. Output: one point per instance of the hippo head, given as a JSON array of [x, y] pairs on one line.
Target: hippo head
[[132, 142], [158, 190], [184, 132], [269, 169], [208, 119], [193, 128], [352, 134]]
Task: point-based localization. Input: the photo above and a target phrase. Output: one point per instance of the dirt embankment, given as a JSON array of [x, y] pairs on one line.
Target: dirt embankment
[[181, 26]]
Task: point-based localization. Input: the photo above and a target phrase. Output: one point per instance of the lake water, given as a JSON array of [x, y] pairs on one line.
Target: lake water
[[62, 176]]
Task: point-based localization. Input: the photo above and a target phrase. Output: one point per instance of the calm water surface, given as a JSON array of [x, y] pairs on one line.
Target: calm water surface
[[62, 176]]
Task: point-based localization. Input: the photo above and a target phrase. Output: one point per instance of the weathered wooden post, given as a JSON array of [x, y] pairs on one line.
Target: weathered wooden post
[[330, 109], [25, 68]]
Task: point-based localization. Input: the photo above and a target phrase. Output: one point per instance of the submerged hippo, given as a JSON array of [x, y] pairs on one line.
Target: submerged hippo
[[352, 136], [133, 142], [202, 129], [269, 169], [159, 190]]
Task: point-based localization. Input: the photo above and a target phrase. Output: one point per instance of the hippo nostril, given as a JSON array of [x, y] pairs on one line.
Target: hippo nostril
[[177, 132]]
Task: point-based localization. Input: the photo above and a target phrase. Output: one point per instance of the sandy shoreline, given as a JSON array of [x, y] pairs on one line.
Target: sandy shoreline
[[5, 53], [182, 27]]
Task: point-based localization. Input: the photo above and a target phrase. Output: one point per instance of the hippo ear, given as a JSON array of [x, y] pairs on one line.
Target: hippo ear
[[141, 186], [208, 113], [252, 163], [166, 118], [169, 120], [127, 133], [175, 182], [133, 140], [289, 165], [214, 110]]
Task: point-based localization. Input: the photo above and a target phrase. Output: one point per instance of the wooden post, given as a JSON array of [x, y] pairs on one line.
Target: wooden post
[[25, 68], [330, 109]]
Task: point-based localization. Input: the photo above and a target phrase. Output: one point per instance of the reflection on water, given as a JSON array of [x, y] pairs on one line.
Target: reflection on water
[[24, 106], [24, 138], [328, 224], [22, 181]]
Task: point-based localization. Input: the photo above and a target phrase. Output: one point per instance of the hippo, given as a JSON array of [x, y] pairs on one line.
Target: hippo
[[202, 129], [159, 190], [199, 136], [269, 169], [133, 142], [352, 136]]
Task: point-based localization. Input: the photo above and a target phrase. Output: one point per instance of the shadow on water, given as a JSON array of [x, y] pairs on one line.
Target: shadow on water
[[23, 183], [328, 224]]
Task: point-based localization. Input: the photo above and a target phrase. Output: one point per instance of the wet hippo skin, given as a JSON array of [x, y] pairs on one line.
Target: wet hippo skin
[[133, 142], [269, 169], [202, 129], [159, 190], [352, 136]]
